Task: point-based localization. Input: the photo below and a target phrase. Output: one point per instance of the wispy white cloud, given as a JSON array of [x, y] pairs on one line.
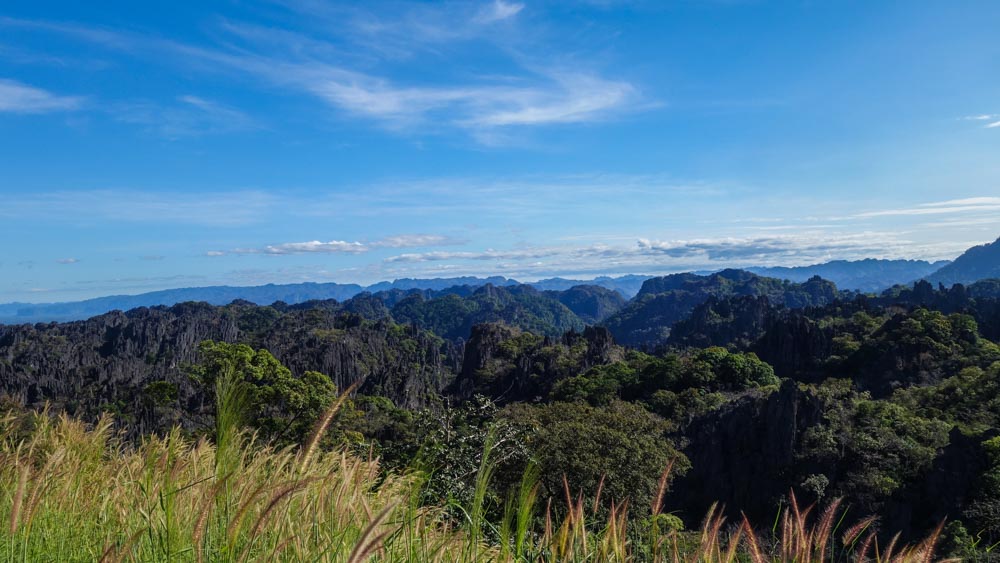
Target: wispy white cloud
[[499, 10], [458, 200], [557, 98], [416, 240], [315, 246], [410, 28], [67, 261], [190, 116], [954, 206], [651, 255], [221, 209], [16, 97], [534, 94], [346, 247], [993, 118]]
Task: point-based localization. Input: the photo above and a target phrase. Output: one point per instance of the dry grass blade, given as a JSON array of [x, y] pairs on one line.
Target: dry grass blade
[[112, 555], [369, 541]]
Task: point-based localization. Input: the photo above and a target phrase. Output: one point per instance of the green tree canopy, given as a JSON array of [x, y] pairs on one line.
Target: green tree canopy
[[279, 406]]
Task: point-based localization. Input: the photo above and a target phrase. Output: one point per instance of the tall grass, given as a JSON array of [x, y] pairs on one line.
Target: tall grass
[[73, 492]]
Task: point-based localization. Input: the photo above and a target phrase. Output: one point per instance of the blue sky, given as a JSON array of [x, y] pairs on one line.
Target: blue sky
[[153, 145]]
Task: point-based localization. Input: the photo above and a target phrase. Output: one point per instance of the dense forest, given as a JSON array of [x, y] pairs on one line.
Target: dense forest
[[749, 387]]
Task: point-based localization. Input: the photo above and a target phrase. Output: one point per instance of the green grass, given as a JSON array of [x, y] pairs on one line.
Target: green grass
[[73, 492]]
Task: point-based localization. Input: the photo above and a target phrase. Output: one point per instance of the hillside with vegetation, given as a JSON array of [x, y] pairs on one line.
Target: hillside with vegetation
[[508, 423], [977, 263]]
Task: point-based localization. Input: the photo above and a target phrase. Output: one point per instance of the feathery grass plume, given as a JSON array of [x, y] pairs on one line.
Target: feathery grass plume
[[866, 546], [924, 552], [597, 496], [527, 498], [198, 534], [661, 487], [125, 496], [369, 540], [734, 545], [852, 534], [237, 519], [231, 401], [890, 549], [321, 425], [279, 495], [155, 501], [478, 509], [821, 535], [22, 483], [756, 554]]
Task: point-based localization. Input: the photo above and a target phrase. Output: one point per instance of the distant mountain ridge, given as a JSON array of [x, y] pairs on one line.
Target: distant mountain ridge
[[977, 263], [870, 275], [18, 313], [648, 318]]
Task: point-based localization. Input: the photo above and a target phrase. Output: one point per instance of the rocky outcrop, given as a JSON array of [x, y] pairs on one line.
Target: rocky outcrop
[[952, 483], [734, 322], [744, 454], [795, 346], [106, 362], [590, 302], [648, 319], [508, 365]]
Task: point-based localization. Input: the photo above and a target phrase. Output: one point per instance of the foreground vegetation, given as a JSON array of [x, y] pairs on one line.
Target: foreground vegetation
[[76, 493], [889, 403]]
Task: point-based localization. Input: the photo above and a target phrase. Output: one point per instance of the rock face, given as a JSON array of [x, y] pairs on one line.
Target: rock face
[[507, 365], [794, 345], [952, 483], [106, 362], [482, 350], [734, 322], [648, 319], [744, 455], [591, 303], [452, 313]]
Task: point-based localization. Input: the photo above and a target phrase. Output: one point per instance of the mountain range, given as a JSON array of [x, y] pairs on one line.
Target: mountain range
[[867, 276], [977, 263]]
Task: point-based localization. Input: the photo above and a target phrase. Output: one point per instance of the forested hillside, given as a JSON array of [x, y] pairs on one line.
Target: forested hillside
[[752, 386]]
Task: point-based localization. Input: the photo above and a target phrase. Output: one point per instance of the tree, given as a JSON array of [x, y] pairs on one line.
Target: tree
[[281, 407], [622, 442]]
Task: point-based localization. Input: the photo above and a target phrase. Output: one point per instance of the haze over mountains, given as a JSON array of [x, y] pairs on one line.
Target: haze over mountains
[[977, 263], [867, 276]]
